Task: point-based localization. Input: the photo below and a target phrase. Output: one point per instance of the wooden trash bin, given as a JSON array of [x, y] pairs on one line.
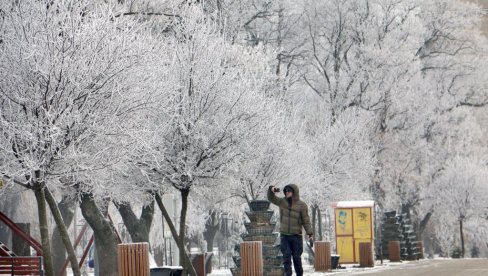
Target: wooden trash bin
[[202, 263], [394, 251], [251, 258], [322, 259], [366, 254], [198, 262], [133, 259]]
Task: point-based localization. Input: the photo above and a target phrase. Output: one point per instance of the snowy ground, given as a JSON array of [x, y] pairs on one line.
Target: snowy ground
[[309, 271]]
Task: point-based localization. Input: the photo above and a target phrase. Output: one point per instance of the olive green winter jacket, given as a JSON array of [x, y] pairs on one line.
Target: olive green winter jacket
[[294, 216]]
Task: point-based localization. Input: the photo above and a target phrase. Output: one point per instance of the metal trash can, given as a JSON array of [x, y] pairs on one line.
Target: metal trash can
[[166, 271], [335, 261]]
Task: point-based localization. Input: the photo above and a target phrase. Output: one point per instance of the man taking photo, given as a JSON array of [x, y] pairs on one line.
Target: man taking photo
[[293, 216]]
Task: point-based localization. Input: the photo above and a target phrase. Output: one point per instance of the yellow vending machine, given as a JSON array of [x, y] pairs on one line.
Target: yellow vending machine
[[353, 225]]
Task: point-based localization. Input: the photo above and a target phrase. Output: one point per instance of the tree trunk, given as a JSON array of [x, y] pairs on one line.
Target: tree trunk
[[138, 228], [320, 225], [66, 207], [406, 209], [186, 263], [462, 237], [423, 225], [280, 37], [104, 236], [211, 228], [314, 218], [184, 258], [63, 231], [44, 229]]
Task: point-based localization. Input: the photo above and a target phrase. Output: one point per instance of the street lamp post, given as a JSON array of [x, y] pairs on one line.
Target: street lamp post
[[225, 221], [226, 243]]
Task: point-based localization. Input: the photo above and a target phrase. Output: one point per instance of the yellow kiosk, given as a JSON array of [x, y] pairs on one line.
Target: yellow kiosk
[[353, 225]]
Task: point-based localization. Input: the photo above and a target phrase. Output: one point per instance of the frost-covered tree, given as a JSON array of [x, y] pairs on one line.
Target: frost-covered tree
[[382, 107], [444, 227], [264, 162], [358, 53], [333, 163], [275, 24], [373, 55], [63, 71], [475, 230], [461, 190], [213, 100], [454, 85], [360, 62]]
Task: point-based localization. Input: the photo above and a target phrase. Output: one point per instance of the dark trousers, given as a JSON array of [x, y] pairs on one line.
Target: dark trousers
[[292, 247]]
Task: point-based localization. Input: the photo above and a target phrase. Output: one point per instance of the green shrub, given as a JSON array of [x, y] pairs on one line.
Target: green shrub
[[456, 252], [475, 252]]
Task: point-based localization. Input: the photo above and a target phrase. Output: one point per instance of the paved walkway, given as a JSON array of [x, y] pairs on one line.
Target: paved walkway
[[438, 267]]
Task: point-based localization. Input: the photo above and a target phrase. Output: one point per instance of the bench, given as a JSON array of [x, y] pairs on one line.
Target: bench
[[21, 265]]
